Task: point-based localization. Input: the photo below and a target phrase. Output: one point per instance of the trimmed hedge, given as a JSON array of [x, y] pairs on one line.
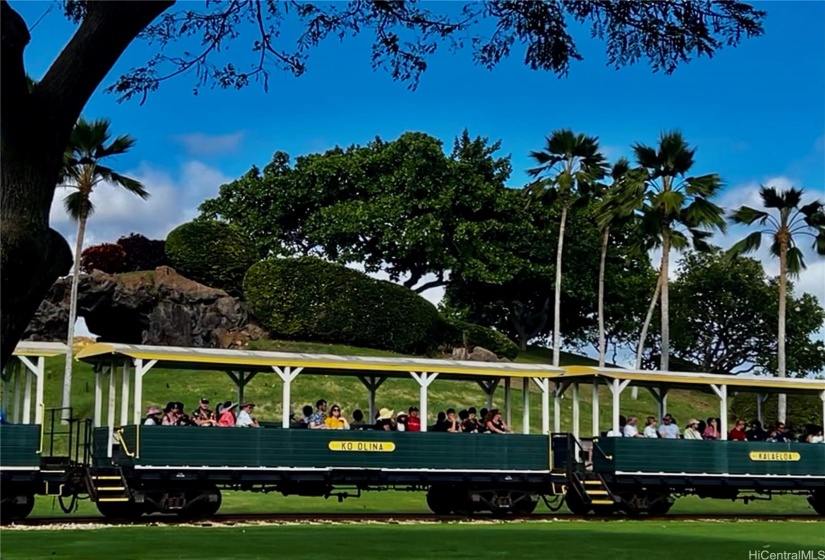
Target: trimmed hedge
[[311, 299], [213, 253], [457, 333]]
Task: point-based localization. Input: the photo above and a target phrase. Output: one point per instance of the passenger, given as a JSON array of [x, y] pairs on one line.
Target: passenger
[[383, 421], [357, 420], [668, 429], [413, 421], [245, 418], [227, 417], [316, 421], [452, 425], [738, 432], [701, 427], [440, 423], [772, 437], [152, 416], [650, 427], [692, 430], [335, 421], [482, 415], [306, 414], [781, 433], [494, 422], [711, 431], [468, 424], [630, 429], [620, 433], [401, 421], [185, 420], [815, 435], [202, 416], [473, 424], [170, 415], [756, 433]]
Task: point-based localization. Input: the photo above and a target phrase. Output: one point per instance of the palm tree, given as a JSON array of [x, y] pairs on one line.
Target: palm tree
[[569, 165], [675, 210], [785, 226], [82, 172]]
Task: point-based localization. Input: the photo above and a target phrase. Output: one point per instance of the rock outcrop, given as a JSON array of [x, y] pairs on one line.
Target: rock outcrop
[[478, 354], [160, 307]]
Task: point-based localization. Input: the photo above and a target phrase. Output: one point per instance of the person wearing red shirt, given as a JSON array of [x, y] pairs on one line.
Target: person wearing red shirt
[[738, 432], [413, 421]]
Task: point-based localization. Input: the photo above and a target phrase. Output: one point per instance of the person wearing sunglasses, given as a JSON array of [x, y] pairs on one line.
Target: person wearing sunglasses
[[335, 421]]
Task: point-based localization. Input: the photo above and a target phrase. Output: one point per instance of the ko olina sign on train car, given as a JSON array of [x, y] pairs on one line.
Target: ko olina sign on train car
[[774, 456], [369, 446]]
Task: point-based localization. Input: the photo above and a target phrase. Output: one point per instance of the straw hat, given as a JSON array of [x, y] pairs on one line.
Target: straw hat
[[385, 414]]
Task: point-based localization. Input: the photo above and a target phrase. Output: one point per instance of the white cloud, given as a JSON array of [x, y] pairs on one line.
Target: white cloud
[[174, 199], [202, 144]]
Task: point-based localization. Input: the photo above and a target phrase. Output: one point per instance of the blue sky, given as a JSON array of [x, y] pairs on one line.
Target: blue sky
[[756, 114]]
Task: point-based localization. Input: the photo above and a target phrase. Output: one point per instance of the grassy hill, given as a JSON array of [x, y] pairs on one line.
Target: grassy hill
[[161, 386]]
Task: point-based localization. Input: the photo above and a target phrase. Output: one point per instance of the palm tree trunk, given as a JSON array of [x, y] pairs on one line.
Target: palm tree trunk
[[67, 372], [648, 319], [665, 358], [782, 405], [557, 296], [602, 263]]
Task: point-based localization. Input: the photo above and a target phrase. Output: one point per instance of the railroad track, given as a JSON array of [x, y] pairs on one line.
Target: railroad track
[[235, 519]]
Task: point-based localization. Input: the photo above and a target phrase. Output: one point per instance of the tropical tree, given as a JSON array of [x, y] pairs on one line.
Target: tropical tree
[[90, 144], [568, 167], [785, 220], [675, 210]]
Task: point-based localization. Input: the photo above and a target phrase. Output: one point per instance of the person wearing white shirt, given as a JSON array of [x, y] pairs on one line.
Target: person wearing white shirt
[[650, 428], [668, 429], [630, 429], [244, 419], [692, 430]]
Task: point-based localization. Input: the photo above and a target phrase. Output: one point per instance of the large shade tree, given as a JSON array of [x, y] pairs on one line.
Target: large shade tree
[[91, 145], [568, 168], [675, 210], [786, 221], [35, 125]]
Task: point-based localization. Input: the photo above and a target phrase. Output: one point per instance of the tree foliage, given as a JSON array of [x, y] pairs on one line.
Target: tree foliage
[[403, 207], [37, 121], [212, 253], [724, 318], [311, 299], [106, 257], [143, 253]]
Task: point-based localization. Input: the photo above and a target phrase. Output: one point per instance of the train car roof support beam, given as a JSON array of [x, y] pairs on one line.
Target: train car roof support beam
[[287, 375], [424, 380], [141, 368], [722, 392], [616, 388], [372, 383], [544, 385]]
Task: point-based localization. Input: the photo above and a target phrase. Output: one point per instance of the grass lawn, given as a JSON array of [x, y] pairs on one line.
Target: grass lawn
[[568, 540], [413, 502]]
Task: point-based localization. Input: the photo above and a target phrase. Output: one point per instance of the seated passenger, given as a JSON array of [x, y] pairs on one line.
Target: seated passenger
[[815, 436], [152, 417], [202, 416], [692, 430], [494, 422], [452, 425], [401, 421], [316, 421], [413, 421], [307, 414], [620, 433], [473, 425], [772, 437], [357, 420], [756, 433], [335, 421], [781, 433], [468, 424], [170, 415], [738, 432], [630, 429], [245, 419], [650, 427], [227, 416], [383, 420], [668, 429], [711, 431], [440, 423]]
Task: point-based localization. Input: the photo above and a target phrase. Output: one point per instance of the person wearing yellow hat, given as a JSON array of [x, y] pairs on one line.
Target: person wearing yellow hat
[[383, 420]]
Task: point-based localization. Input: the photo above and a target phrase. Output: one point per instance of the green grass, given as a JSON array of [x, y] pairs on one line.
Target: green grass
[[161, 386], [568, 540]]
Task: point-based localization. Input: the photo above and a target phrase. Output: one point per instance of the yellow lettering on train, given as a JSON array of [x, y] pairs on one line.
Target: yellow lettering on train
[[774, 456], [363, 446]]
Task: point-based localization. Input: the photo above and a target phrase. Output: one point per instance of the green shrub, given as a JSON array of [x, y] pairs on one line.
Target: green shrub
[[311, 299], [457, 333], [802, 410], [212, 253]]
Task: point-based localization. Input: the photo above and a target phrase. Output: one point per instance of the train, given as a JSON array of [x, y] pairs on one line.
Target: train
[[131, 470]]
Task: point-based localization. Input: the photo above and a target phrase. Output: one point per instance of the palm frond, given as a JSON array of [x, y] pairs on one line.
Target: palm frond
[[796, 261], [78, 205], [703, 213], [678, 240], [749, 244], [132, 185], [747, 215], [669, 201], [646, 156], [119, 145], [771, 197], [705, 185], [699, 240], [814, 214]]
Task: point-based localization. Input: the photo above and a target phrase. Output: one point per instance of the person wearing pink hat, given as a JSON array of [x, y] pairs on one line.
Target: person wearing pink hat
[[152, 417]]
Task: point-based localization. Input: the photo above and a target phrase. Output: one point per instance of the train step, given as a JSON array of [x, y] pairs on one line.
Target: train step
[[602, 502], [120, 499]]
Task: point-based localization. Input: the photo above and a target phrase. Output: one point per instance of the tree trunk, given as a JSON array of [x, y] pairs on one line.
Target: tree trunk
[[648, 319], [34, 130], [665, 358], [557, 296], [602, 262], [67, 372], [782, 405]]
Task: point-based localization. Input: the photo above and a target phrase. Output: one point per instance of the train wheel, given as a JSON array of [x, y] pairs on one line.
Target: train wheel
[[120, 510], [14, 510], [526, 505], [208, 503], [575, 503], [440, 500], [817, 501], [659, 504]]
